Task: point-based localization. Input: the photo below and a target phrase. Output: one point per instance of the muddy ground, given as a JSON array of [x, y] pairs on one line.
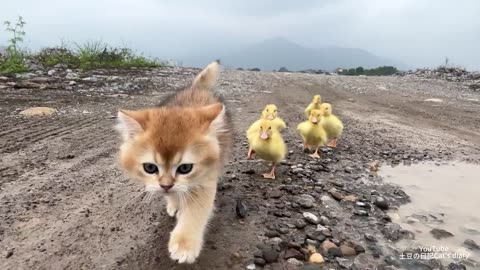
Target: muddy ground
[[64, 204]]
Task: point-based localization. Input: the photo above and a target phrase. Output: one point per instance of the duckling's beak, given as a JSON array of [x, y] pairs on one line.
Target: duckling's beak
[[314, 120], [270, 117], [264, 135]]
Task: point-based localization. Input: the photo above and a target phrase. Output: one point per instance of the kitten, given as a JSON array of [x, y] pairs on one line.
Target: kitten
[[179, 149]]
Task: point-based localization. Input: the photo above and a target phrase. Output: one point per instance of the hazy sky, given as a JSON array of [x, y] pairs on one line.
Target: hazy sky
[[416, 32]]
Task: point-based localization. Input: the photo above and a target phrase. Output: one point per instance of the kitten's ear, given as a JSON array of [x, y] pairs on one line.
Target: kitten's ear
[[208, 77], [129, 123], [215, 114]]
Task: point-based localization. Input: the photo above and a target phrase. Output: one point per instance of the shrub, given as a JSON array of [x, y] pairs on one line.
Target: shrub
[[14, 59]]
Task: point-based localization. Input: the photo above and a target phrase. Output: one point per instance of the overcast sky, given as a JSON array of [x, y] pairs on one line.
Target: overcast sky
[[416, 32]]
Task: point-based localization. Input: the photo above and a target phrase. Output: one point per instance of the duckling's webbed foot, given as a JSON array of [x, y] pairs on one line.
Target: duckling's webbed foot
[[333, 143], [315, 155], [271, 174], [306, 148]]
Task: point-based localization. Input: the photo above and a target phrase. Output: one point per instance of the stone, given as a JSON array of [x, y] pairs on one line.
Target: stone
[[344, 263], [251, 267], [359, 249], [38, 111], [326, 246], [241, 208], [275, 194], [324, 220], [370, 237], [311, 218], [294, 261], [259, 261], [316, 258], [51, 72], [312, 267], [469, 243], [335, 194], [381, 203], [270, 255], [350, 198], [305, 200], [347, 250], [300, 224], [71, 83], [335, 252], [440, 233], [271, 234], [293, 253], [364, 261], [392, 231], [456, 266], [72, 76]]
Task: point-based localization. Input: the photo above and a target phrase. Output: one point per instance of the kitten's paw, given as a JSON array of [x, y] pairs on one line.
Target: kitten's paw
[[184, 248], [171, 210]]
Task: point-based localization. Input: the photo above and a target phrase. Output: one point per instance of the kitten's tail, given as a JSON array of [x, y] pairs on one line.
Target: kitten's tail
[[208, 77]]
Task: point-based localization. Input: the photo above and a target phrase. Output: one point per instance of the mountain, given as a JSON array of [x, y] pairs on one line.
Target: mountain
[[279, 52]]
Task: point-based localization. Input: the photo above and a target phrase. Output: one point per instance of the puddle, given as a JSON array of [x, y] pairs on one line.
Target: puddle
[[444, 196]]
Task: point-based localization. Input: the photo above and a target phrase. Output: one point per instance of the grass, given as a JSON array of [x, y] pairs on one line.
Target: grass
[[88, 55]]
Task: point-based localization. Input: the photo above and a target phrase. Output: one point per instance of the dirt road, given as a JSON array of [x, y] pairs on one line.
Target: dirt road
[[64, 204]]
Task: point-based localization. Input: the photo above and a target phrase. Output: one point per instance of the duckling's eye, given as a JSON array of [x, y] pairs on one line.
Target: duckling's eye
[[275, 111], [150, 168], [267, 110], [270, 128], [185, 168]]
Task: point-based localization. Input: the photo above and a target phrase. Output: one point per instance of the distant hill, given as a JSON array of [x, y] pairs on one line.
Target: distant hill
[[275, 53]]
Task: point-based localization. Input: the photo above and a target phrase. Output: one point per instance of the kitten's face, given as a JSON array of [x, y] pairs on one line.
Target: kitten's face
[[171, 149]]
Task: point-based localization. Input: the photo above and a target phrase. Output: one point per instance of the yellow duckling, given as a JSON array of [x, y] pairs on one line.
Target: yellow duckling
[[268, 113], [331, 124], [315, 105], [312, 132], [268, 144]]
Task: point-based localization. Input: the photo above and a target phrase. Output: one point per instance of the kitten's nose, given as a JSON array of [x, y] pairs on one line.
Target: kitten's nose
[[166, 187]]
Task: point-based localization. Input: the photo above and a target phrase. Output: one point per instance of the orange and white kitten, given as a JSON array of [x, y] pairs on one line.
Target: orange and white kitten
[[179, 149]]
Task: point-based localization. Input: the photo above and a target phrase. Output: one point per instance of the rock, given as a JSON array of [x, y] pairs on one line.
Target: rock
[[381, 203], [251, 267], [440, 233], [271, 234], [259, 261], [370, 237], [392, 231], [38, 111], [324, 220], [270, 255], [335, 252], [312, 267], [28, 85], [412, 220], [300, 224], [347, 250], [294, 261], [241, 208], [275, 194], [469, 243], [72, 76], [359, 249], [9, 253], [51, 72], [364, 261], [456, 266], [391, 260], [350, 198], [71, 83], [335, 194], [293, 253], [316, 258], [469, 229], [326, 246], [305, 200], [435, 100], [344, 263], [311, 218]]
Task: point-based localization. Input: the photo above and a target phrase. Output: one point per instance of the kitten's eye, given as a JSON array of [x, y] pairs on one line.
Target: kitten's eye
[[150, 168], [185, 168]]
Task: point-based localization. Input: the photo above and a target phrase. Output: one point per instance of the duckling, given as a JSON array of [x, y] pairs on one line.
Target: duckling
[[268, 144], [315, 105], [331, 124], [312, 132], [268, 113]]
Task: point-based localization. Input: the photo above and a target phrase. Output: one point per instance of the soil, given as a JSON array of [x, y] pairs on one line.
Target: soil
[[64, 204]]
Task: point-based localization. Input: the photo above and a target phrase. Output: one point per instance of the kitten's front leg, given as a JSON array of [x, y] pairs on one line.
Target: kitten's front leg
[[172, 204], [186, 239]]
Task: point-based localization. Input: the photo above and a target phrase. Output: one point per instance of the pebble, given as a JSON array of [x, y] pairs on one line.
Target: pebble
[[370, 237], [335, 194], [456, 266], [259, 261], [326, 246], [344, 263], [350, 198], [381, 203], [469, 243], [251, 267], [300, 224], [324, 220], [293, 253], [316, 258], [275, 194], [270, 255], [241, 208], [364, 261], [305, 200], [440, 233], [72, 83], [311, 218], [51, 72], [271, 234], [9, 253], [347, 250], [294, 261]]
